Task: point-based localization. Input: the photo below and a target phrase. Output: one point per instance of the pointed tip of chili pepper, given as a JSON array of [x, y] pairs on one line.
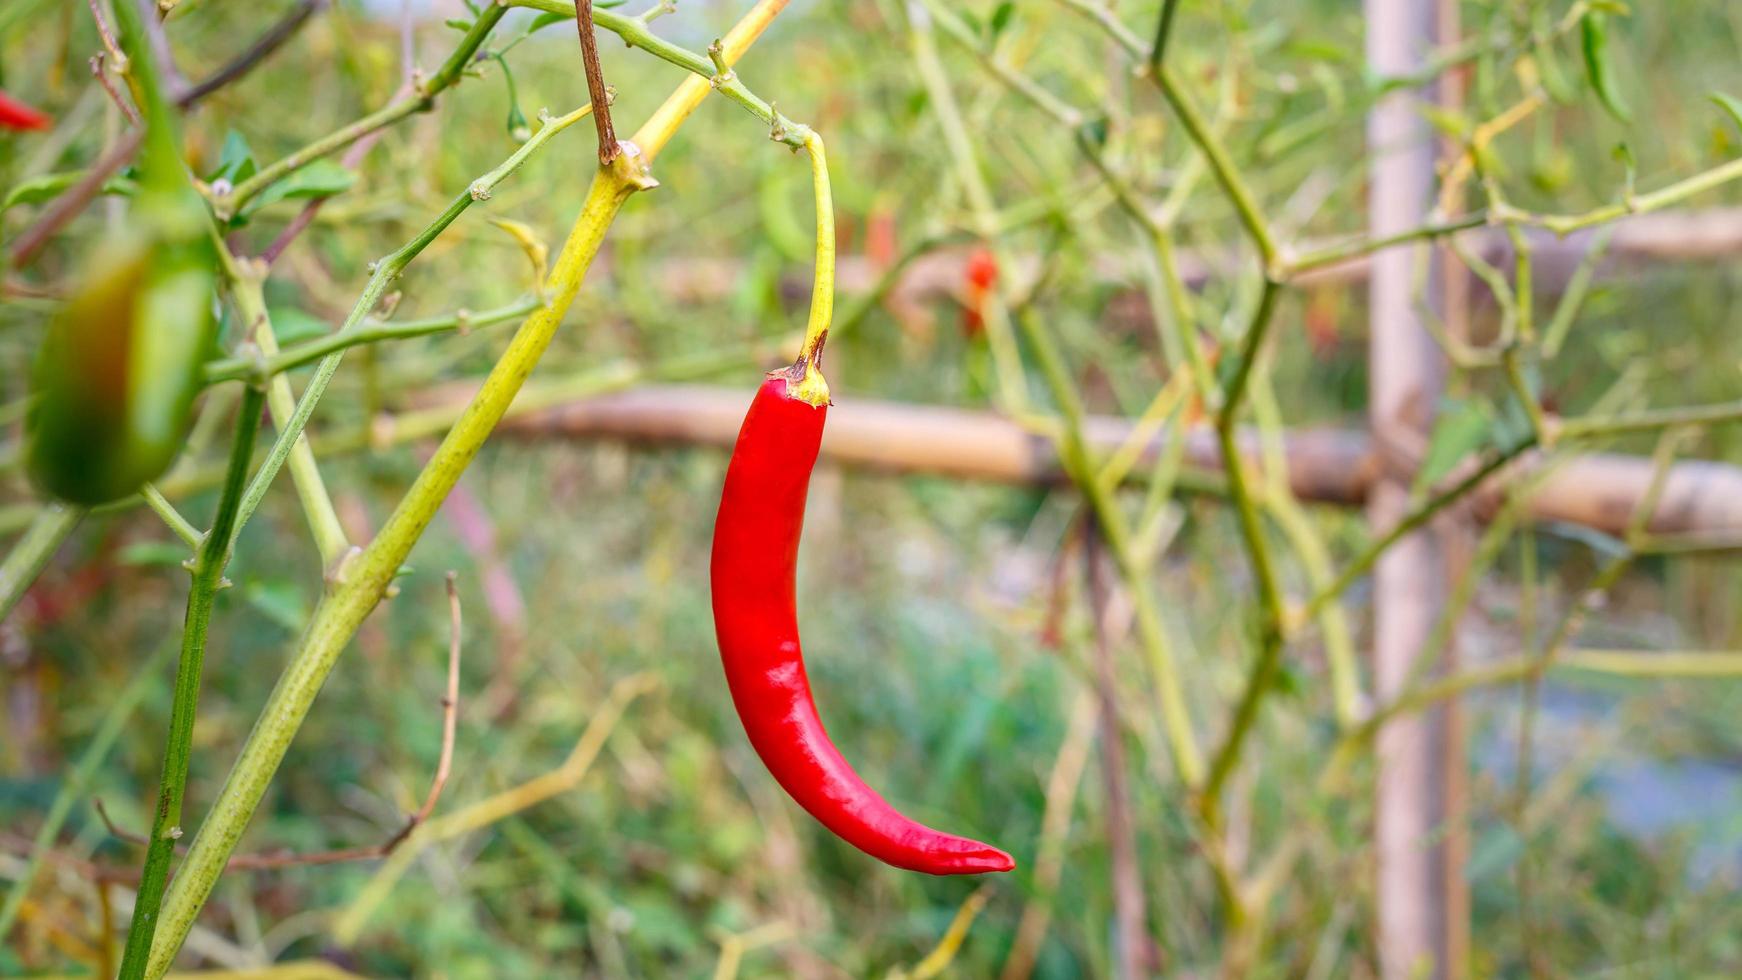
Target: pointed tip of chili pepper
[[989, 859]]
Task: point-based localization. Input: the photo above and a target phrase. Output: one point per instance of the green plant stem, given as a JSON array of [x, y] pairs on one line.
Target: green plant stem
[[1246, 507], [368, 332], [1329, 255], [208, 573], [633, 31], [1597, 426], [1176, 718], [365, 580], [1163, 28], [1572, 300], [247, 285], [1222, 168], [165, 510], [419, 100], [1000, 333], [1375, 549], [385, 271], [78, 779], [31, 553], [1566, 224]]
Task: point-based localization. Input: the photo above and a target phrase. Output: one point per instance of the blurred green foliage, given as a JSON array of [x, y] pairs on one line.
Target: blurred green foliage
[[924, 600]]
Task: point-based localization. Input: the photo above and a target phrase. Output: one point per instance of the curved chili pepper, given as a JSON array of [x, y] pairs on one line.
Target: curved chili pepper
[[16, 115], [755, 552]]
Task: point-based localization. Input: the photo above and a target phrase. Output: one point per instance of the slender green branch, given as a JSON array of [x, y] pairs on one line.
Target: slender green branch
[[247, 290], [1163, 28], [368, 332], [1073, 451], [1222, 168], [1065, 115], [208, 574], [228, 205], [1246, 508], [182, 527], [1566, 224], [1329, 255], [1599, 426], [365, 580], [1371, 554], [1000, 333], [1639, 663], [383, 274], [634, 32], [30, 555], [1572, 300]]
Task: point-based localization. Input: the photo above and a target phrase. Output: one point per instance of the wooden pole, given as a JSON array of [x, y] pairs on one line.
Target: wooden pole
[[1336, 467], [1407, 376]]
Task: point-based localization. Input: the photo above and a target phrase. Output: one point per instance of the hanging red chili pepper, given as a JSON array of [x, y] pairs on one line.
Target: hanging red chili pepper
[[16, 115], [755, 555], [755, 552]]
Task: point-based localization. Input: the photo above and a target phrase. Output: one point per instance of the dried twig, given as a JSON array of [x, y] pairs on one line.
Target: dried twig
[[444, 764], [596, 89], [271, 40]]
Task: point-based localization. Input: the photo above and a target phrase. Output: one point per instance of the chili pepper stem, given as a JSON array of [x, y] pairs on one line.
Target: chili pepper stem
[[805, 379]]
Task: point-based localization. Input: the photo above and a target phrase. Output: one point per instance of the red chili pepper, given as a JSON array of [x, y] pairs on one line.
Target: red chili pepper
[[755, 553], [980, 272], [16, 115]]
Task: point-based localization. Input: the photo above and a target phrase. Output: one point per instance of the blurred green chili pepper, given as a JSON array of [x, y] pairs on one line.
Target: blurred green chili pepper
[[116, 375]]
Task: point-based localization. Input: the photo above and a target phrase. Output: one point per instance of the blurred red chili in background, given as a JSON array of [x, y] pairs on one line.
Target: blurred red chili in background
[[16, 115], [980, 273]]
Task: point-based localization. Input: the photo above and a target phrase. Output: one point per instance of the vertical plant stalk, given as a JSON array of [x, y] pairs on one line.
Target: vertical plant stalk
[[366, 579], [597, 91], [208, 574], [246, 290], [1073, 451], [1132, 953], [30, 555]]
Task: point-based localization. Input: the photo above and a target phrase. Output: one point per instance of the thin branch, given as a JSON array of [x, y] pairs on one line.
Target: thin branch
[[269, 41], [1163, 28], [208, 575], [31, 554], [450, 712], [597, 92]]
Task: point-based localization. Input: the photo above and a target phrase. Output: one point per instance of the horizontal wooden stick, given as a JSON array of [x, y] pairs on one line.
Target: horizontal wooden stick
[[1327, 466], [1664, 237]]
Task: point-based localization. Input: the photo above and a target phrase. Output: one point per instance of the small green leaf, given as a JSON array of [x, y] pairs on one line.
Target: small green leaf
[[291, 324], [46, 187], [1001, 18], [1594, 37], [282, 602], [1462, 428], [1450, 122], [1555, 82], [235, 160], [1317, 49], [543, 21], [322, 178], [1731, 106]]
